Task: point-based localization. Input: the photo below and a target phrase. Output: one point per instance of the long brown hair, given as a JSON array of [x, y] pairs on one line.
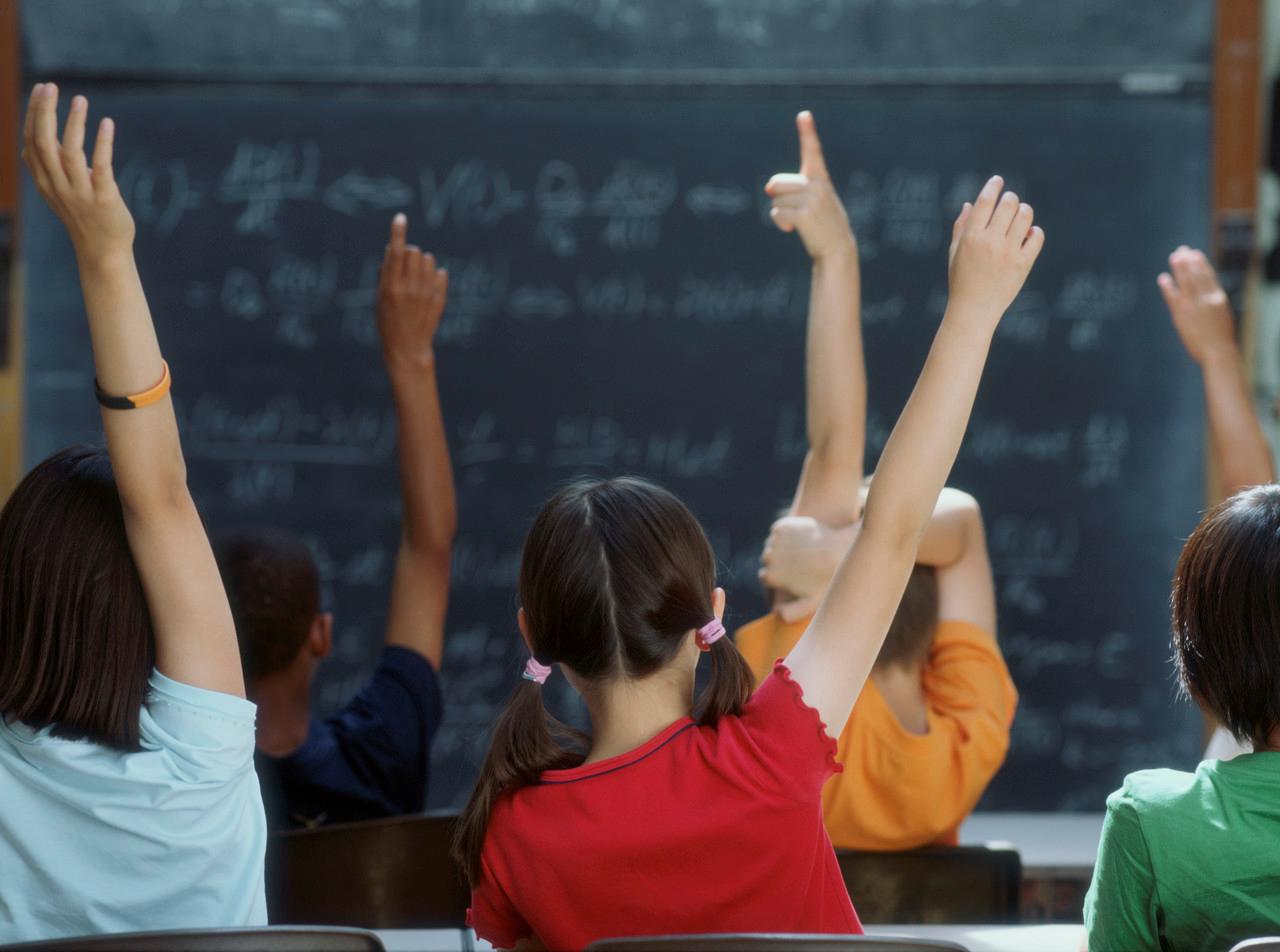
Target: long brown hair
[[76, 644], [615, 574]]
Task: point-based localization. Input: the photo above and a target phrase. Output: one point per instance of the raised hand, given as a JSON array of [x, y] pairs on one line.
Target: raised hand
[[1198, 305], [411, 296], [86, 199], [994, 243], [801, 554], [806, 201]]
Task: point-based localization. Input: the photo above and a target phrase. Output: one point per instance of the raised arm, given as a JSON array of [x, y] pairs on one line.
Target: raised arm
[[411, 299], [835, 377], [1203, 320], [802, 555], [993, 248], [195, 637]]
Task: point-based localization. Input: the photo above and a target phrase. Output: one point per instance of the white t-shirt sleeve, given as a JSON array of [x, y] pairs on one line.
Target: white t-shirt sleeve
[[207, 735]]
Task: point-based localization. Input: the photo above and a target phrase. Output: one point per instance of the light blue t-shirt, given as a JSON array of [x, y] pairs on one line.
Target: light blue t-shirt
[[172, 836]]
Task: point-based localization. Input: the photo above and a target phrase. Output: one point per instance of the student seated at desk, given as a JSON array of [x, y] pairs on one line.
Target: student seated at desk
[[128, 799], [1188, 860], [370, 759], [931, 726], [680, 815], [1202, 317]]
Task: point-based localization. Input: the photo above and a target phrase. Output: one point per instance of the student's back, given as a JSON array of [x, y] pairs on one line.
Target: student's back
[[673, 816], [1188, 861], [694, 817], [371, 758], [128, 799], [1190, 858]]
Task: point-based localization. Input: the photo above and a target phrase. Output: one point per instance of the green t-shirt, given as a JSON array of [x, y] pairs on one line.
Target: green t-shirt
[[1189, 861]]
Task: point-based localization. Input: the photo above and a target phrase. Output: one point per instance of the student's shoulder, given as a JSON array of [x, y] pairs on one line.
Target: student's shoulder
[[1155, 796]]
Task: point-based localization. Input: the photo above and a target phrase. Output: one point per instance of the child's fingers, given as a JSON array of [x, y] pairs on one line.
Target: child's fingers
[[442, 284], [796, 200], [29, 123], [1180, 265], [46, 136], [1169, 289], [1023, 219], [73, 161], [812, 162], [103, 151], [1033, 244], [785, 183], [965, 211], [784, 218], [1202, 273], [985, 203], [1006, 209], [409, 261], [399, 228]]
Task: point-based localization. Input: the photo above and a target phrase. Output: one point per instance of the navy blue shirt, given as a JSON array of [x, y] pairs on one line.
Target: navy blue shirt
[[369, 760]]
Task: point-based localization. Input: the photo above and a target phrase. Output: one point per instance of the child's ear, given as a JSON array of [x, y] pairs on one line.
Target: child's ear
[[320, 638], [717, 601], [523, 621]]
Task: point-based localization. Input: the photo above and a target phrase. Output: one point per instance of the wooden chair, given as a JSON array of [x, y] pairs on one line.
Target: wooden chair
[[378, 874], [938, 885], [266, 939], [779, 942]]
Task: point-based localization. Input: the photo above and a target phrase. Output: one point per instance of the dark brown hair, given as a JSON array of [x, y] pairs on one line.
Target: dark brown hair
[[273, 587], [1226, 613], [615, 575], [76, 644], [911, 633]]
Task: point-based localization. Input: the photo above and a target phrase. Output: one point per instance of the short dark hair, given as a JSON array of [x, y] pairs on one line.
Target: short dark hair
[[274, 589], [911, 632], [1226, 613], [76, 643]]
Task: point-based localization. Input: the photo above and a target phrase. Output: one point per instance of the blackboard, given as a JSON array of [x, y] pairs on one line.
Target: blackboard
[[619, 303], [615, 40]]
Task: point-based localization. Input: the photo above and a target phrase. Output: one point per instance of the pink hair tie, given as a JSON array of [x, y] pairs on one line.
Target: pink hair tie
[[536, 671], [710, 633]]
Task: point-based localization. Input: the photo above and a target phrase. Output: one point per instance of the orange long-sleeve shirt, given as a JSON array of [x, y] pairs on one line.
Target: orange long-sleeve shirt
[[900, 789]]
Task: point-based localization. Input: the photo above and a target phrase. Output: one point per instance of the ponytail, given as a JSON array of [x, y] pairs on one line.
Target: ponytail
[[526, 741], [730, 684]]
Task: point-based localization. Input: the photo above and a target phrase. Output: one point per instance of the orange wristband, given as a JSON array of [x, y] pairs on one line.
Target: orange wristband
[[136, 400]]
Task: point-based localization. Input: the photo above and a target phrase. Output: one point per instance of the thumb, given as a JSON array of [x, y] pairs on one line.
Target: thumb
[[812, 162], [1169, 289]]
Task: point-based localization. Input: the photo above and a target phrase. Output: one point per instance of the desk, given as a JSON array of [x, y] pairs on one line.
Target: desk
[[1050, 844], [1058, 851], [1041, 938]]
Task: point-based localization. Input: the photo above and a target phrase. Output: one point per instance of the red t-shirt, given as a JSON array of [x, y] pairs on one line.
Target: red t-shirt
[[699, 830]]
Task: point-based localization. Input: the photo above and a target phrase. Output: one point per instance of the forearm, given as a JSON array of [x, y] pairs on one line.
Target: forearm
[[835, 393], [923, 446], [909, 479], [955, 525], [1238, 444], [146, 455], [426, 476]]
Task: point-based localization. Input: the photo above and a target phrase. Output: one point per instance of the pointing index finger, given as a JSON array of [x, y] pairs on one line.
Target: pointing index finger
[[399, 228], [812, 162]]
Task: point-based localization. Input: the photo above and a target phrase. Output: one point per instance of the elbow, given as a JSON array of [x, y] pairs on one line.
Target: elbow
[[436, 543], [161, 492]]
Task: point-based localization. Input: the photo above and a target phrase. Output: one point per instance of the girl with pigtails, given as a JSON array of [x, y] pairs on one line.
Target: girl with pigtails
[[677, 815]]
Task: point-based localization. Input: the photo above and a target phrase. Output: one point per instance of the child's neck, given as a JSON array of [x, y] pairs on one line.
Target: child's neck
[[626, 714], [902, 689]]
